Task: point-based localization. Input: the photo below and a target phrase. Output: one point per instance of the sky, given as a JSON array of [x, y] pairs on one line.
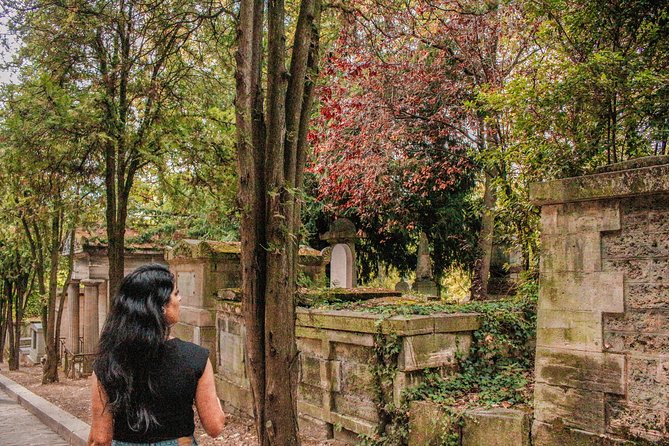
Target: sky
[[6, 53]]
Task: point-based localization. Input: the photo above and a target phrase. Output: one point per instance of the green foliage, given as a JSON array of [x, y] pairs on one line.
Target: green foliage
[[497, 371]]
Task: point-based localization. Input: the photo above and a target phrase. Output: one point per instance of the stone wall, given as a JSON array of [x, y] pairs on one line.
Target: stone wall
[[602, 365], [337, 386], [206, 270]]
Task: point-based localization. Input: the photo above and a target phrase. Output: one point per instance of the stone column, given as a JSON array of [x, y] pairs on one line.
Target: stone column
[[91, 315], [103, 304], [603, 311], [73, 309]]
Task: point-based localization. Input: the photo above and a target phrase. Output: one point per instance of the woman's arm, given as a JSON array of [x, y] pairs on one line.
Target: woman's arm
[[207, 403], [102, 427]]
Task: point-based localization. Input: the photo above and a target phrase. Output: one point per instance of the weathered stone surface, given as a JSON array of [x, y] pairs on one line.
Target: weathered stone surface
[[578, 330], [647, 270], [650, 321], [235, 399], [573, 291], [310, 394], [644, 386], [197, 316], [584, 396], [461, 322], [496, 427], [544, 434], [310, 370], [635, 163], [638, 244], [599, 372], [577, 218], [632, 420], [361, 322], [623, 342], [571, 252], [314, 428], [428, 424], [357, 379], [633, 182], [353, 353], [355, 408], [647, 295], [577, 408], [426, 351]]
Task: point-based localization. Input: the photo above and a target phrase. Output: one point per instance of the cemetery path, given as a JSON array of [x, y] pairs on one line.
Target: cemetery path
[[18, 427], [73, 396]]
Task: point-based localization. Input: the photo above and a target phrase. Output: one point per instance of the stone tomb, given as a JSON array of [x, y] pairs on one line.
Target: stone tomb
[[336, 384], [207, 270], [602, 363], [85, 310]]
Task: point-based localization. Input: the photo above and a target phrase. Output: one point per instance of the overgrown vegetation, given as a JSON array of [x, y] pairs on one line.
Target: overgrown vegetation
[[497, 372]]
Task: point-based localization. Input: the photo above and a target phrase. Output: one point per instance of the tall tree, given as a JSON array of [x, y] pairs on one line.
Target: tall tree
[[43, 173], [434, 58], [271, 148], [128, 57]]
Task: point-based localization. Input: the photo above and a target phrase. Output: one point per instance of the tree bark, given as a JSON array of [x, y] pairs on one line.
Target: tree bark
[[50, 367], [270, 162], [482, 270]]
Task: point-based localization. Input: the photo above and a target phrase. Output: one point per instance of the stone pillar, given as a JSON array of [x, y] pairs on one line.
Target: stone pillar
[[91, 315], [424, 283], [603, 310], [103, 304], [73, 309]]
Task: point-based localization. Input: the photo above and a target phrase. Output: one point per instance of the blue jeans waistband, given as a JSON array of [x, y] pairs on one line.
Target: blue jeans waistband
[[173, 442]]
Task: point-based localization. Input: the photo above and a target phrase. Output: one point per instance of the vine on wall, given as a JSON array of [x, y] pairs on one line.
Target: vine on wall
[[497, 372]]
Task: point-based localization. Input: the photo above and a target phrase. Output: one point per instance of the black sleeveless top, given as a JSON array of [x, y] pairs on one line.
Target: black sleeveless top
[[181, 369]]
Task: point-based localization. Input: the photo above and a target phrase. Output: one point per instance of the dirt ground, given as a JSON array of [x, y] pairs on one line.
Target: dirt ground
[[73, 396]]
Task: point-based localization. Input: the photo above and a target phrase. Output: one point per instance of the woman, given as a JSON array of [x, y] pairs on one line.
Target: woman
[[144, 381]]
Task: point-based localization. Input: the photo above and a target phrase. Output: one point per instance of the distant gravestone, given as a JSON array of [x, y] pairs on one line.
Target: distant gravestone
[[342, 236], [424, 283], [403, 286], [341, 267]]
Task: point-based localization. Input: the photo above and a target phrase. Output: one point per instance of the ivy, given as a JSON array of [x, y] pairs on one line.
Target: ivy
[[497, 371]]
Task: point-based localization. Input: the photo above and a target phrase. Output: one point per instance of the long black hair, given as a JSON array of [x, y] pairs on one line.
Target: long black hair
[[132, 344]]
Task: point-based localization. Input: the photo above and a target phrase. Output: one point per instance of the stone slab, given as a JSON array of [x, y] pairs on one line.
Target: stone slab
[[428, 424], [576, 330], [427, 351], [496, 427], [571, 252], [573, 291], [575, 408], [578, 218], [544, 434], [599, 372]]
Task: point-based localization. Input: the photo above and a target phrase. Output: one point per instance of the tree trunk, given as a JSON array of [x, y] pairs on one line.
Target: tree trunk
[[50, 368], [482, 271], [13, 360], [270, 162], [3, 323]]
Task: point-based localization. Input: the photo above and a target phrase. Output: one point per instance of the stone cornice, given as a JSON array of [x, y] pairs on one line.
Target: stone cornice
[[624, 180]]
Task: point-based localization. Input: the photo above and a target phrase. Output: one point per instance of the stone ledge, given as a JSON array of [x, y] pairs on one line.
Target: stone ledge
[[616, 184], [361, 322], [72, 429]]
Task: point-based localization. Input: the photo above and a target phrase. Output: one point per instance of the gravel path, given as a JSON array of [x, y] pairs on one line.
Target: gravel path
[[73, 396]]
